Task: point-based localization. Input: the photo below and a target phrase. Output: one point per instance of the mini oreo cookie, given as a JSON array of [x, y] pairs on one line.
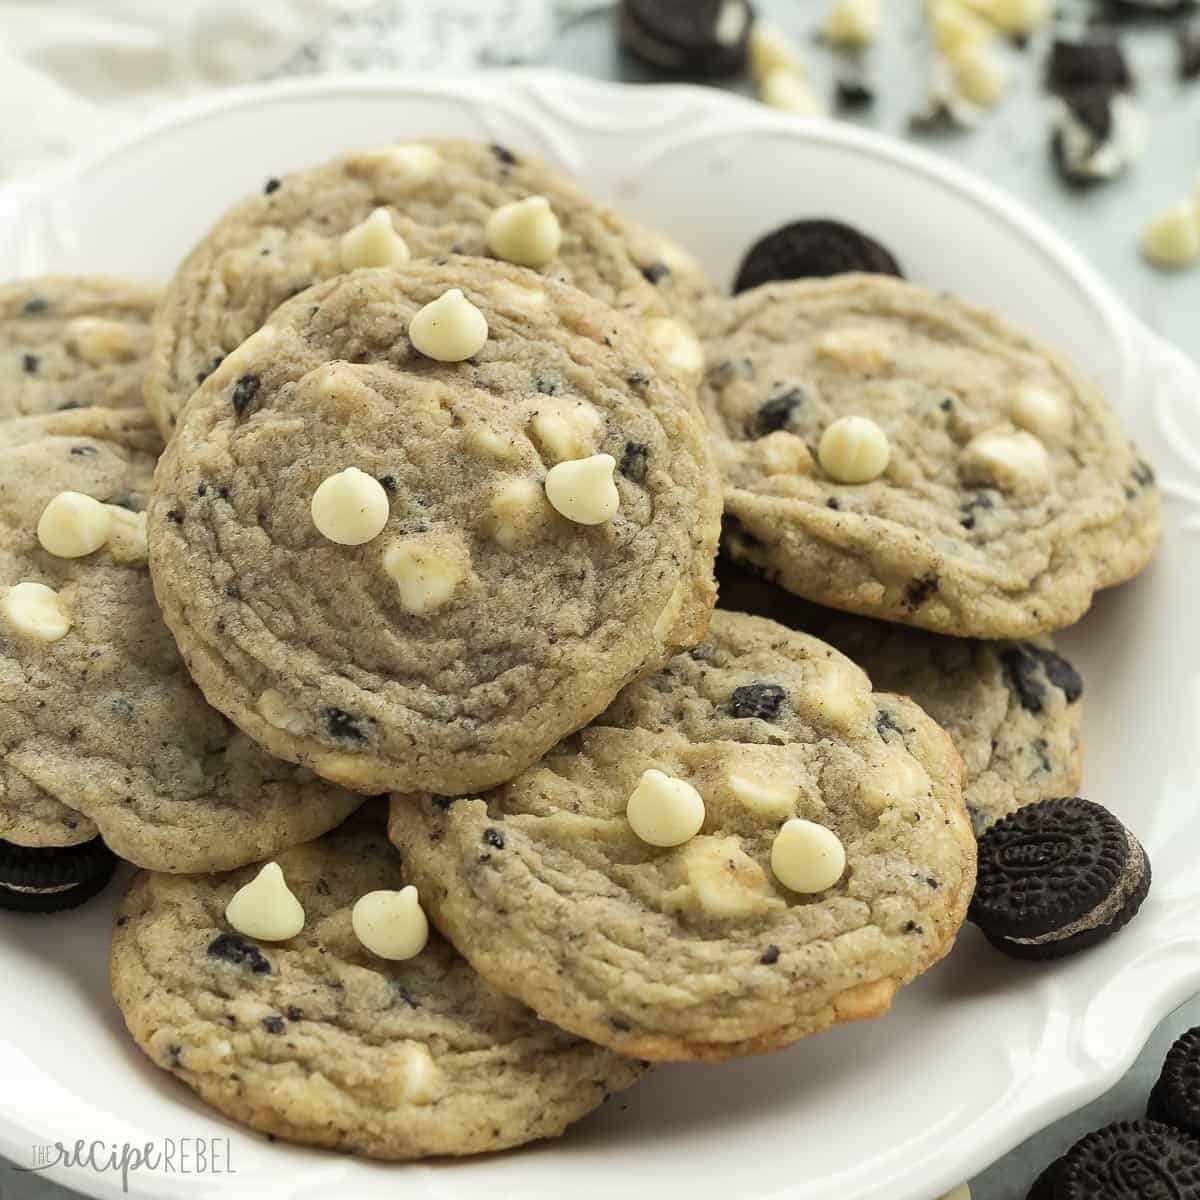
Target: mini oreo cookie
[[1175, 1099], [813, 249], [1056, 878], [53, 878], [688, 37], [1130, 1160]]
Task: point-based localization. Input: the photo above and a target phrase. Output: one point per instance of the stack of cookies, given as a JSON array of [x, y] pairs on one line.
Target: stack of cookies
[[360, 589]]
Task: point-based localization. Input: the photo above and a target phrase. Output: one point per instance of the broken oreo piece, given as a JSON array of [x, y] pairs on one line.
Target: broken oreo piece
[[1096, 133], [1188, 40], [47, 879], [688, 37], [1089, 63], [813, 249], [1175, 1099], [1129, 1160], [1056, 878]]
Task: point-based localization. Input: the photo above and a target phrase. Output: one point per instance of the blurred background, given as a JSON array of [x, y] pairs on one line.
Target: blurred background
[[73, 72]]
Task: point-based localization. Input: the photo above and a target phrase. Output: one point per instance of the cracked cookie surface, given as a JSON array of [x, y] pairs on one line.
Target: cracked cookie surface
[[340, 657], [318, 1041], [439, 194], [1012, 709], [73, 341], [104, 721], [698, 951], [1011, 493]]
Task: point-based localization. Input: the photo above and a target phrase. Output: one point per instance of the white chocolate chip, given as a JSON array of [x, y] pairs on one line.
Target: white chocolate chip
[[723, 880], [448, 329], [730, 23], [565, 429], [126, 535], [518, 509], [771, 797], [1172, 238], [34, 611], [1044, 413], [678, 345], [265, 909], [770, 49], [897, 778], [373, 242], [418, 1075], [979, 75], [854, 450], [391, 925], [859, 349], [955, 28], [490, 443], [782, 453], [524, 297], [275, 710], [98, 340], [526, 232], [1009, 461], [782, 88], [427, 569], [73, 525], [962, 1192], [415, 161], [350, 508], [583, 491], [806, 857], [663, 810], [853, 22], [839, 694], [1016, 17]]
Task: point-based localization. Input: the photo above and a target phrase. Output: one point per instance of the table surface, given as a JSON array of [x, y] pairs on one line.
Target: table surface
[[1010, 148]]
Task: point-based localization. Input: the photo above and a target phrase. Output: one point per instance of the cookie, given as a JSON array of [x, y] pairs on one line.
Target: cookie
[[483, 614], [1056, 878], [33, 818], [812, 249], [900, 454], [1129, 1160], [72, 341], [1012, 709], [701, 38], [53, 879], [318, 1041], [99, 714], [1175, 1099], [438, 198], [745, 849]]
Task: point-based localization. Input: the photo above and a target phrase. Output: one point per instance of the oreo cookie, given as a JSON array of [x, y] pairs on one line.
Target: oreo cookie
[[1094, 62], [1056, 878], [1175, 1099], [53, 878], [1188, 40], [813, 249], [1130, 1160], [706, 38]]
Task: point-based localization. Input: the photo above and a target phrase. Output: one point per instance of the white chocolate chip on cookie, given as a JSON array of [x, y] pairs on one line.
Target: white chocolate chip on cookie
[[487, 442], [663, 810], [98, 340], [126, 535], [1009, 461], [782, 453], [427, 568], [678, 346], [526, 232], [723, 881], [583, 490], [391, 925], [448, 329], [858, 349], [524, 297], [771, 797], [275, 710], [806, 857], [415, 162], [852, 22], [73, 525], [1042, 412], [518, 509], [854, 450], [564, 429], [34, 611], [350, 508], [373, 242], [418, 1074], [265, 908]]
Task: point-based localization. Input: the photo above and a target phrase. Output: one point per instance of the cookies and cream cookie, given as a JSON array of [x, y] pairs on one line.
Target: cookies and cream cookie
[[72, 341], [99, 716], [747, 848], [388, 204], [894, 452], [318, 1039], [428, 521]]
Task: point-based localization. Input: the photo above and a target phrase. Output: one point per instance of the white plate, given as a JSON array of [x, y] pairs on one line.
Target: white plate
[[976, 1056]]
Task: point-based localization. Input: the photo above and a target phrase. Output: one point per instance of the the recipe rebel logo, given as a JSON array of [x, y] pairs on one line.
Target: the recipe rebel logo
[[185, 1157]]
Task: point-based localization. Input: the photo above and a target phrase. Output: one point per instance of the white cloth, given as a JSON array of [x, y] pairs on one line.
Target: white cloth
[[73, 70]]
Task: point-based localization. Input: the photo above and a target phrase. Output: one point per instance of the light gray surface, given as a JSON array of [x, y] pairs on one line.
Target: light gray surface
[[1010, 149]]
